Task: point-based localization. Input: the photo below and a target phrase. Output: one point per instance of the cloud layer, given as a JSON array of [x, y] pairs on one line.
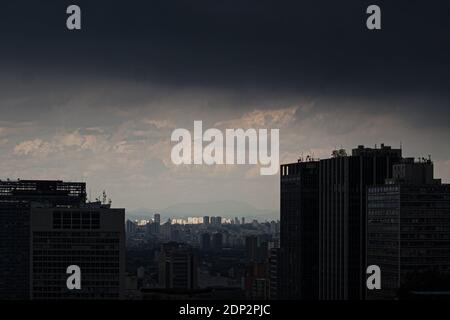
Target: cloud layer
[[100, 105]]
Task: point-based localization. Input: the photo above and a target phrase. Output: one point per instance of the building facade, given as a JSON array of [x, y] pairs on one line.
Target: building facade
[[46, 226], [299, 224], [178, 267], [343, 181], [91, 237], [408, 230]]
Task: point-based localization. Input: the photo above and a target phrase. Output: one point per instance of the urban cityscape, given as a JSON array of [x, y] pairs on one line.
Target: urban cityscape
[[224, 159], [338, 216]]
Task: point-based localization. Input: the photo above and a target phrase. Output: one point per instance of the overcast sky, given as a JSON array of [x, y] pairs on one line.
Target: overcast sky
[[99, 105]]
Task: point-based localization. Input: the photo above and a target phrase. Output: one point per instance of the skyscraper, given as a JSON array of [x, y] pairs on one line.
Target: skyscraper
[[343, 181], [91, 237], [323, 222], [299, 253], [45, 226]]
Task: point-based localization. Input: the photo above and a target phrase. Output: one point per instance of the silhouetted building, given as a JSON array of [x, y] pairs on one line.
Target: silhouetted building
[[408, 231], [299, 242], [91, 237], [323, 222], [46, 226], [177, 267], [206, 220], [343, 182]]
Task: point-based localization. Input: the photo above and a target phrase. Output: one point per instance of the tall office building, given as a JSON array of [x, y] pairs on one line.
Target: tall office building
[[178, 266], [408, 231], [299, 244], [91, 237], [45, 226], [342, 221]]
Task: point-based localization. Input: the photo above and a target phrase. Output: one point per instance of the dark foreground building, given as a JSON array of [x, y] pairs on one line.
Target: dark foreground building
[[323, 223], [408, 232], [299, 243], [46, 226], [342, 220]]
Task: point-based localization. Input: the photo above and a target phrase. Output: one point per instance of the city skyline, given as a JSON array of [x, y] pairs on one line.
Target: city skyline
[[339, 215], [175, 209]]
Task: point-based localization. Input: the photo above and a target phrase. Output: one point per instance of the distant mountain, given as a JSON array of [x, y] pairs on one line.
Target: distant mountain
[[226, 209]]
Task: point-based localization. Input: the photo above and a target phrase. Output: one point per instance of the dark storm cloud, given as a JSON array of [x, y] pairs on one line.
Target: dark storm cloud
[[308, 46], [100, 104]]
